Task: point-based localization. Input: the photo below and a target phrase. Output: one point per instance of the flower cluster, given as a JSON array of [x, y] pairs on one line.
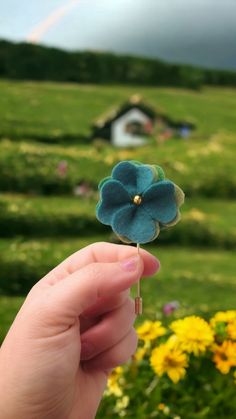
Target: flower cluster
[[137, 201], [171, 350], [198, 354], [224, 326], [114, 388]]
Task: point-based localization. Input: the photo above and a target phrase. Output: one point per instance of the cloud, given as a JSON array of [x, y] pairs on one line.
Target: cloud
[[201, 32]]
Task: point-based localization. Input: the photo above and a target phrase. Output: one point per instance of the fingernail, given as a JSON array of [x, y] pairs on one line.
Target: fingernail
[[87, 350], [156, 264], [130, 264]]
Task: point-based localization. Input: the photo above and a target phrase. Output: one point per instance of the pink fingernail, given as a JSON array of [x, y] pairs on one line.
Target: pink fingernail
[[156, 264], [130, 264]]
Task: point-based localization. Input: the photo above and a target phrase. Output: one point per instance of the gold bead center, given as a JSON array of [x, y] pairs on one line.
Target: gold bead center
[[137, 200]]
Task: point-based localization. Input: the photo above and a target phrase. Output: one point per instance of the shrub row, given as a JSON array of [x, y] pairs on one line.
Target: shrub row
[[24, 262], [48, 217], [33, 168], [56, 222], [189, 232]]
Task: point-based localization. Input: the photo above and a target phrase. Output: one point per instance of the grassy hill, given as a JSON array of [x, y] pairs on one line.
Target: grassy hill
[[61, 112], [44, 123]]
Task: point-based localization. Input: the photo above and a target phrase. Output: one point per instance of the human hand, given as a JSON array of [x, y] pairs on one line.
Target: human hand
[[75, 325]]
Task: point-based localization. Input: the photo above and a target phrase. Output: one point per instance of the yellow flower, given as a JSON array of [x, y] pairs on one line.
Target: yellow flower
[[140, 354], [121, 405], [150, 330], [165, 409], [173, 342], [228, 318], [170, 361], [161, 406], [223, 316], [231, 329], [113, 383], [194, 334], [225, 356]]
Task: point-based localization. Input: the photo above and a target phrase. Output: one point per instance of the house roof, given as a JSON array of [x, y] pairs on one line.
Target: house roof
[[135, 102]]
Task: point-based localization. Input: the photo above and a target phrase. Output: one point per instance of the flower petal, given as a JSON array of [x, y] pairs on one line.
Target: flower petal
[[135, 178], [160, 175], [135, 224], [159, 201], [128, 241], [123, 239], [103, 181], [173, 222], [179, 195], [113, 197]]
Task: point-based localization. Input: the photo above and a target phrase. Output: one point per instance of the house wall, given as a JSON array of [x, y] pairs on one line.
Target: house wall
[[120, 138]]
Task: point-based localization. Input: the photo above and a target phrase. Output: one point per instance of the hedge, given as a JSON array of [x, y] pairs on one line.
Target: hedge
[[207, 274], [204, 222], [199, 168]]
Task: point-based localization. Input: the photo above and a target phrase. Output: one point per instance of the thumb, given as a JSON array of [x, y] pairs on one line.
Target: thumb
[[84, 287]]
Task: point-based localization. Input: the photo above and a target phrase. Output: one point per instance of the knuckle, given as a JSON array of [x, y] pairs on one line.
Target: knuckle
[[130, 347], [113, 335], [95, 246], [131, 305], [126, 350], [130, 310], [94, 270], [117, 301]]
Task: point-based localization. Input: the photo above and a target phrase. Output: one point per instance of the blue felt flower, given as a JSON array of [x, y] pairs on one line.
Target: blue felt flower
[[137, 201]]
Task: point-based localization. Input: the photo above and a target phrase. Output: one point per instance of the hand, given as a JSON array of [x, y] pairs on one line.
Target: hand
[[75, 325]]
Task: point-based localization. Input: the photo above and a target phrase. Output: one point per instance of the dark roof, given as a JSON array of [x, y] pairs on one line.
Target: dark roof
[[134, 102], [102, 125]]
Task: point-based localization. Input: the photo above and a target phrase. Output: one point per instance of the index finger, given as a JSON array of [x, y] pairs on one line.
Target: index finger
[[102, 252]]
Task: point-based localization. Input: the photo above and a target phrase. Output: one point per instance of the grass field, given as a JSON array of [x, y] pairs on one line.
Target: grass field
[[44, 123], [48, 110]]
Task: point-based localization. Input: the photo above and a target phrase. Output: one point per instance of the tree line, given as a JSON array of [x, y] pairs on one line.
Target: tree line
[[24, 61]]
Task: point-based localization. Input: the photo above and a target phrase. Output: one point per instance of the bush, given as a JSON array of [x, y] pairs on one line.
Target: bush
[[24, 263], [204, 223], [47, 217], [33, 168], [30, 168]]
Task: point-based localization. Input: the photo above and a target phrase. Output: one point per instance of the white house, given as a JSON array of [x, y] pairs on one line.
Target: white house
[[131, 124], [128, 126]]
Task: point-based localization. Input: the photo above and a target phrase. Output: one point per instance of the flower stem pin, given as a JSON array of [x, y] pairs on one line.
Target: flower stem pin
[[137, 202]]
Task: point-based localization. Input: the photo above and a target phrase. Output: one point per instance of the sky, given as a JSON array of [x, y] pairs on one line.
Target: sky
[[200, 32]]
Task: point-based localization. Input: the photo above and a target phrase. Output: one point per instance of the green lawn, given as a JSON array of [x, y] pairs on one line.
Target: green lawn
[[51, 110]]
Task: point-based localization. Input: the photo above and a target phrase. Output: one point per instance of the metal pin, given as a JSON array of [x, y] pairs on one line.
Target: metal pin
[[138, 305], [138, 300]]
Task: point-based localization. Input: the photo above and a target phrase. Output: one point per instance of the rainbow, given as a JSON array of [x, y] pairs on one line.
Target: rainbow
[[39, 30]]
